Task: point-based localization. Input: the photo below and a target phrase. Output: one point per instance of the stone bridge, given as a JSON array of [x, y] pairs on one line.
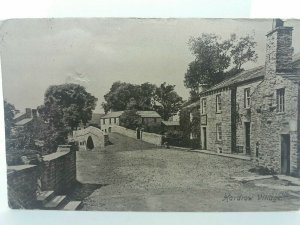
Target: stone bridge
[[90, 138]]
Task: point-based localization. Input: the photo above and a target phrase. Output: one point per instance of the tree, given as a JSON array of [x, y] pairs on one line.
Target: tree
[[242, 51], [66, 106], [169, 101], [216, 59], [122, 94], [130, 119], [9, 113], [145, 96]]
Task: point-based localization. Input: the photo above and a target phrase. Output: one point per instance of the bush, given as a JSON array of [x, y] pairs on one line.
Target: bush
[[153, 128], [180, 141], [262, 170]]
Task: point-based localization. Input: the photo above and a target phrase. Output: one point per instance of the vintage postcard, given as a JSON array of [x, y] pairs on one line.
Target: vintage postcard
[[131, 114]]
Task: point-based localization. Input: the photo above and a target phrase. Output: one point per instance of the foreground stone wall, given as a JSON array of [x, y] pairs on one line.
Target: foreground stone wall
[[59, 170], [22, 186]]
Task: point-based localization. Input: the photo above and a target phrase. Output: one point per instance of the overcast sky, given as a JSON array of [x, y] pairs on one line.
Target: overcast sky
[[36, 53]]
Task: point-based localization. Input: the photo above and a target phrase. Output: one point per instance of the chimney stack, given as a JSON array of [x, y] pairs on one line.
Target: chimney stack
[[28, 113], [279, 51]]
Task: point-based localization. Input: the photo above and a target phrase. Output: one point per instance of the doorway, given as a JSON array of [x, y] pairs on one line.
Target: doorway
[[247, 138], [89, 143], [204, 138], [138, 133], [285, 154]]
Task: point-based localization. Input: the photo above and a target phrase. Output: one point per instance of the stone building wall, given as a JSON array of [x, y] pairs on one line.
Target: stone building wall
[[22, 186], [243, 114], [268, 125], [107, 123], [150, 121], [214, 118], [59, 170]]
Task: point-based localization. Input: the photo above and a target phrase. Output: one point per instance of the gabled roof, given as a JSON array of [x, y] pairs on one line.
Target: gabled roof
[[170, 123], [254, 74], [247, 75], [23, 122], [18, 114], [113, 114], [148, 114], [295, 76]]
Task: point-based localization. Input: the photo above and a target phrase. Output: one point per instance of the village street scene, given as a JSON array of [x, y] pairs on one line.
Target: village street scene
[[152, 114]]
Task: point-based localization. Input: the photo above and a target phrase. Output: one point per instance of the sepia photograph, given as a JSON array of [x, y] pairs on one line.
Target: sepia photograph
[[152, 115]]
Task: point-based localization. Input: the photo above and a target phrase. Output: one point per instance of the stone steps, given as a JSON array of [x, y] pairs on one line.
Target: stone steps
[[56, 202], [48, 200], [45, 196], [73, 205]]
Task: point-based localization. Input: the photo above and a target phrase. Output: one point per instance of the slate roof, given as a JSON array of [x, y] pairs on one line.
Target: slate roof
[[255, 74], [295, 77], [23, 122], [113, 114], [170, 123], [247, 75], [148, 114], [296, 60], [18, 114]]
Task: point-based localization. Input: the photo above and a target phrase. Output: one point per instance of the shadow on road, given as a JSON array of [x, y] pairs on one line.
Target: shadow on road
[[83, 190]]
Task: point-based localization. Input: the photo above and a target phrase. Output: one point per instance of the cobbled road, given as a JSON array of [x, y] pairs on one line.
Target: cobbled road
[[137, 176]]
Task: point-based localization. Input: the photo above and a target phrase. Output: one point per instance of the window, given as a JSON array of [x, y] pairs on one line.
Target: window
[[219, 131], [155, 120], [247, 98], [280, 100], [115, 120], [203, 104], [103, 121], [109, 120], [218, 103]]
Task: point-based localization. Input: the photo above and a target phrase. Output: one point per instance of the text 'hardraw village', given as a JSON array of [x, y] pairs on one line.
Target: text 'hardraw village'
[[107, 114]]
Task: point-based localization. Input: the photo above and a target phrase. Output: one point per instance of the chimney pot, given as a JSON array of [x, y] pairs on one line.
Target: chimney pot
[[278, 23]]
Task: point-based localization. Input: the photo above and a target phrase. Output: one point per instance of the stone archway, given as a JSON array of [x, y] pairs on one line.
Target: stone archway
[[89, 143]]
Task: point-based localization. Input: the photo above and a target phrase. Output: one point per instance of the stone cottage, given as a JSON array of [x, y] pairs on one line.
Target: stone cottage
[[256, 112], [110, 119], [113, 118]]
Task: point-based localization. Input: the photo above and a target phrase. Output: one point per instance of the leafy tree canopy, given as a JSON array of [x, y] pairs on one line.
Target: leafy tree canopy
[[169, 102], [66, 106], [126, 96], [122, 95], [216, 59], [130, 119], [9, 113]]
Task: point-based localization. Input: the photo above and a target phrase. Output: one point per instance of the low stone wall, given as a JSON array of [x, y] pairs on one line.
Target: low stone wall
[[124, 131], [22, 186], [59, 170], [152, 138]]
